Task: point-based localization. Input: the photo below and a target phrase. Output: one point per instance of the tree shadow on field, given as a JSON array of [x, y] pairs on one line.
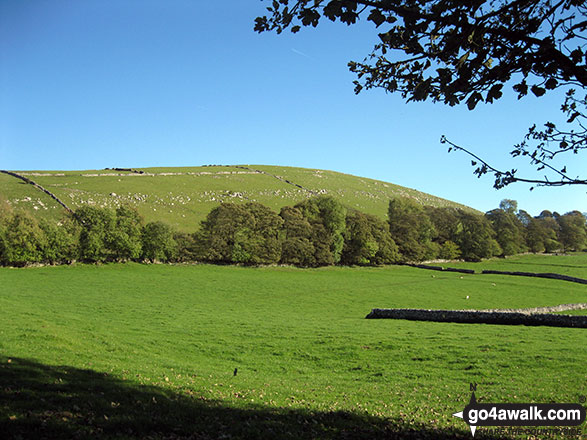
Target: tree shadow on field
[[45, 402]]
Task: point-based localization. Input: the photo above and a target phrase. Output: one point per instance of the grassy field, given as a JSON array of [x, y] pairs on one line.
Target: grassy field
[[150, 351], [183, 196], [573, 264]]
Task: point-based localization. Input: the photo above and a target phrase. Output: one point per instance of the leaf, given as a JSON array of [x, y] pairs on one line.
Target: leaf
[[295, 29], [494, 93], [551, 83], [521, 88], [473, 100], [376, 17], [538, 91], [573, 117], [473, 163], [577, 55]]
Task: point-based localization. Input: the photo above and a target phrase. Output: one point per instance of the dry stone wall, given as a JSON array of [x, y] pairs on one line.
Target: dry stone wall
[[554, 276], [501, 317]]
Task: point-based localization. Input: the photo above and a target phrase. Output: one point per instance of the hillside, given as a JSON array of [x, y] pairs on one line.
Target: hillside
[[182, 196]]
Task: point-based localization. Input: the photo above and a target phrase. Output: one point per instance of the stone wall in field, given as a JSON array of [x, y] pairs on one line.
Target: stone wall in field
[[554, 276], [502, 317]]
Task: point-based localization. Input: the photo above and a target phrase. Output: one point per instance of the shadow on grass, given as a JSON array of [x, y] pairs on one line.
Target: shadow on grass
[[45, 402]]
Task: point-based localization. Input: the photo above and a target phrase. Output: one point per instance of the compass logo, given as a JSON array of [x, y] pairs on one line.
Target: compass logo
[[520, 414]]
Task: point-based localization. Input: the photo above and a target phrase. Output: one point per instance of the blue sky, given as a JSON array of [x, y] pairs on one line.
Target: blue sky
[[137, 83]]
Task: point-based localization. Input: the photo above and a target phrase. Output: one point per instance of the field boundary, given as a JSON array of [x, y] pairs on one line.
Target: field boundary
[[499, 317], [554, 276], [289, 182], [36, 185]]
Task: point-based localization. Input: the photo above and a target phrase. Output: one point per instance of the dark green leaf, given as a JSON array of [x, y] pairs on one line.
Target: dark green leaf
[[551, 83], [376, 17], [538, 91]]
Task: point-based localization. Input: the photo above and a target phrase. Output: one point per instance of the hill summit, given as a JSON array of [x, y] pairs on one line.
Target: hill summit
[[183, 196]]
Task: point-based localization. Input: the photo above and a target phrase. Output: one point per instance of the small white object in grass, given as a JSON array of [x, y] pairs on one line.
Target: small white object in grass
[[461, 278], [493, 284], [467, 297]]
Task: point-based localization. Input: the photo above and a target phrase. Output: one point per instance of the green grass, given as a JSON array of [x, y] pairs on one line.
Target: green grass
[[183, 196], [574, 264], [149, 350]]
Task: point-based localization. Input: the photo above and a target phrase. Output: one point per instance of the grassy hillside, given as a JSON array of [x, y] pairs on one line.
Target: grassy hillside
[[183, 196], [149, 351]]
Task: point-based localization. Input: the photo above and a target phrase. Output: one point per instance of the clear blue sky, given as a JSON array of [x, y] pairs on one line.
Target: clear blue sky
[[137, 83]]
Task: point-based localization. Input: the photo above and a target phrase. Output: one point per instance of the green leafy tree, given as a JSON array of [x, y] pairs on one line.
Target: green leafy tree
[[187, 247], [97, 232], [5, 216], [456, 52], [548, 222], [125, 239], [158, 242], [535, 233], [508, 205], [247, 233], [368, 241], [265, 240], [475, 238], [62, 240], [508, 228], [24, 241], [297, 247], [326, 216], [449, 250], [411, 229], [446, 223], [573, 232]]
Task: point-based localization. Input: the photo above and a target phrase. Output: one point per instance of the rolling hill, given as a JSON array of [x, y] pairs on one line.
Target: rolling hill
[[182, 196]]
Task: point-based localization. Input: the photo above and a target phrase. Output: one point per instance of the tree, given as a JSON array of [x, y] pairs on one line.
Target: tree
[[125, 239], [446, 223], [367, 241], [24, 240], [466, 52], [187, 246], [326, 216], [62, 240], [573, 231], [508, 228], [6, 213], [412, 230], [475, 237], [247, 233], [549, 226], [97, 229], [297, 247], [158, 243], [508, 205], [449, 250]]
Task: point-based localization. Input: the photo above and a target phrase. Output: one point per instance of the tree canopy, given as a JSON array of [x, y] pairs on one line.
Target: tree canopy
[[466, 52]]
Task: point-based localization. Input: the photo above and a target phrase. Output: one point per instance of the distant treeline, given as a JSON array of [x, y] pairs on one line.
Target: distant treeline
[[316, 232]]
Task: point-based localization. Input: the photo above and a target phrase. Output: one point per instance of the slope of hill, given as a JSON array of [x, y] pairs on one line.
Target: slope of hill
[[183, 196]]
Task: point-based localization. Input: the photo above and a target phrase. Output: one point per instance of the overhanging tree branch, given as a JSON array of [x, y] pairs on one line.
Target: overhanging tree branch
[[504, 178], [466, 52]]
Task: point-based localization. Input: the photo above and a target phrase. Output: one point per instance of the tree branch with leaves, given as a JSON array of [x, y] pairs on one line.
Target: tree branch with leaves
[[457, 52]]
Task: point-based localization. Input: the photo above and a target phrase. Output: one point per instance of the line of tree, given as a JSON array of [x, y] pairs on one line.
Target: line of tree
[[319, 231]]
